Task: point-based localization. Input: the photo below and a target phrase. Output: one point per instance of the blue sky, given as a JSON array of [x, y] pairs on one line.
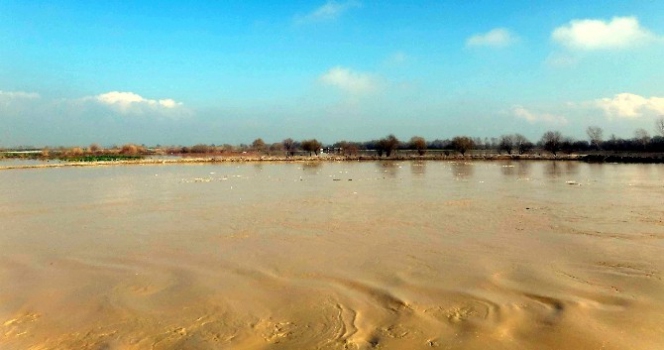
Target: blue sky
[[173, 72]]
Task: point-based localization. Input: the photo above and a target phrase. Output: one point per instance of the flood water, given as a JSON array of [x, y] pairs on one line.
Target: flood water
[[407, 255]]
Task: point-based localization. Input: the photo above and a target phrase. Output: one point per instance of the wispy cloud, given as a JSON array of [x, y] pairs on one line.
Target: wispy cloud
[[628, 105], [9, 97], [329, 11], [397, 58], [536, 117], [595, 34], [561, 60], [355, 83], [18, 104], [497, 38]]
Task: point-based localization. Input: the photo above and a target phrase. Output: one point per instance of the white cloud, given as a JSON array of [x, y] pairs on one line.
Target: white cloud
[[349, 81], [498, 37], [532, 117], [628, 105], [331, 10], [593, 34], [124, 99], [129, 102], [169, 103]]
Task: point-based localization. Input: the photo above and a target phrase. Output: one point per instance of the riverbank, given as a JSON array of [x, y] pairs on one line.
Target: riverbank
[[595, 158]]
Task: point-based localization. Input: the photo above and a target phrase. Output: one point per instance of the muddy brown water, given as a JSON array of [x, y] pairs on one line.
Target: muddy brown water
[[408, 255]]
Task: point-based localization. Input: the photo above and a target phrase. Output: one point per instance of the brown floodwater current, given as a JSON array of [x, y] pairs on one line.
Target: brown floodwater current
[[394, 255]]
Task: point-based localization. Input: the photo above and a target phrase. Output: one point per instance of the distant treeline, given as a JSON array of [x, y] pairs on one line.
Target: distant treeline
[[551, 142]]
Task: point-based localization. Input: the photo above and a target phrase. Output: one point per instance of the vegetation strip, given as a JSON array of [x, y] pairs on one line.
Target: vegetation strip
[[552, 145]]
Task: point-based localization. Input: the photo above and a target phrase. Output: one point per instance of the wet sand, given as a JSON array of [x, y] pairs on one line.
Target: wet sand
[[396, 255]]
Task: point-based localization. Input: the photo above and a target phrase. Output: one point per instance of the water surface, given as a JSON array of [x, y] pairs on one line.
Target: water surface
[[399, 255]]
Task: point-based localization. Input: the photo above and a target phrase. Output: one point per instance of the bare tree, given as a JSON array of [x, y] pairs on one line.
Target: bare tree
[[311, 146], [419, 144], [276, 147], [642, 137], [552, 141], [595, 134], [352, 149], [258, 145], [289, 146], [341, 147], [659, 125], [463, 144], [347, 148], [506, 143], [478, 143], [94, 148], [522, 144], [387, 145]]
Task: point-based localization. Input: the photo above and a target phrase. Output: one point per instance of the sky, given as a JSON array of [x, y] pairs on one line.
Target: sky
[[216, 72]]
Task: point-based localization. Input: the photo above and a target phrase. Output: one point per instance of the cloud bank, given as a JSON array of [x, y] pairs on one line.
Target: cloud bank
[[498, 37], [594, 34], [631, 106]]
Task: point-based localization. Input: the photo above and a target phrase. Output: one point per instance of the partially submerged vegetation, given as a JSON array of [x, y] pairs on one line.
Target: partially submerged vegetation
[[93, 153], [104, 158]]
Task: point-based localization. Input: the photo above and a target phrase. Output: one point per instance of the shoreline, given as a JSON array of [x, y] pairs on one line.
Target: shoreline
[[615, 158]]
